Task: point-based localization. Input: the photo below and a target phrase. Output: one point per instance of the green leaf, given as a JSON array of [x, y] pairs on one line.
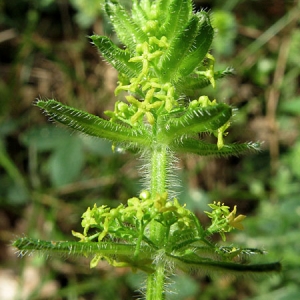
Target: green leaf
[[226, 267], [178, 48], [117, 57], [176, 18], [78, 248], [194, 146], [93, 125], [127, 30], [139, 14], [145, 4], [196, 120], [200, 47]]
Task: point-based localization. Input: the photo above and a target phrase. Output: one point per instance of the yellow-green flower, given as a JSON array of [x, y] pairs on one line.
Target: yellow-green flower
[[234, 221]]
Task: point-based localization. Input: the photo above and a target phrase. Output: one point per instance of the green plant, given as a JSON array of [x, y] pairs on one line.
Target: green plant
[[165, 61]]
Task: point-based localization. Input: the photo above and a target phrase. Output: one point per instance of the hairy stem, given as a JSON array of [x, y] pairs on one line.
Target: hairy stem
[[158, 186], [155, 283], [159, 167]]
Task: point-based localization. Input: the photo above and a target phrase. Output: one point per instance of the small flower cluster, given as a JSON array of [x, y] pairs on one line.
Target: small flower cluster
[[223, 220], [130, 223]]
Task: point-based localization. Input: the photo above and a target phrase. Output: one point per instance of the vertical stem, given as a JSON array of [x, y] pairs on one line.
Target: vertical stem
[[158, 169], [155, 283], [158, 185]]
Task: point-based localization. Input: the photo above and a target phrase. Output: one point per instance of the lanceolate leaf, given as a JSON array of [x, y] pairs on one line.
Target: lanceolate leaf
[[191, 84], [200, 47], [139, 15], [162, 6], [92, 125], [117, 57], [179, 47], [177, 17], [191, 145], [208, 265], [197, 120], [76, 248], [145, 4], [127, 30]]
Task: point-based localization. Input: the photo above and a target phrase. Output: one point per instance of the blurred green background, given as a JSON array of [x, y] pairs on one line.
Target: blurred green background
[[49, 175]]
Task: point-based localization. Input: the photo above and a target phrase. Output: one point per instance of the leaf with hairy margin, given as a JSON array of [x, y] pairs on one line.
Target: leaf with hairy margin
[[93, 125], [128, 32], [193, 262], [196, 120], [194, 146], [117, 57]]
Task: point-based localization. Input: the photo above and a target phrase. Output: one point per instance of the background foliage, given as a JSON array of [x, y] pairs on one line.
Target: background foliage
[[48, 176]]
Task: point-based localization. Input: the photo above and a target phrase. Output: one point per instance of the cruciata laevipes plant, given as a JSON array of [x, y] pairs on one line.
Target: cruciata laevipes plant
[[164, 60]]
